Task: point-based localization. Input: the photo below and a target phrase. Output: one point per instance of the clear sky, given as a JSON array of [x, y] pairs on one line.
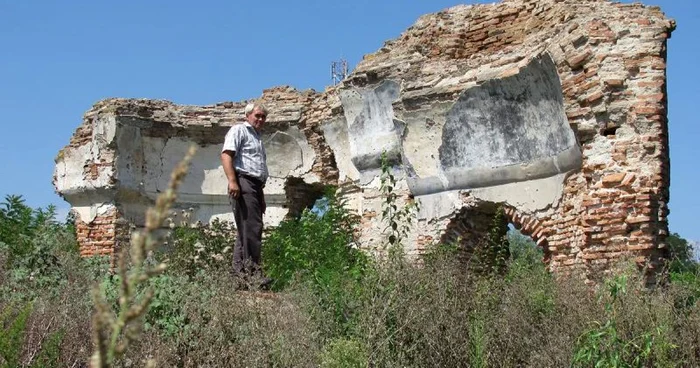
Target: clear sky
[[57, 58]]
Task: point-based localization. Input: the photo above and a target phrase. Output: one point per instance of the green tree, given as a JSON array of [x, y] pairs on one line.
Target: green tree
[[680, 254]]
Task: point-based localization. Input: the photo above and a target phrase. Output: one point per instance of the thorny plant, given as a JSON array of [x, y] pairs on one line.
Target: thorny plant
[[113, 333]]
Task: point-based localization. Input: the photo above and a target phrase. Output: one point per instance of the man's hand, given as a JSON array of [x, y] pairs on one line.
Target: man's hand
[[227, 159], [233, 189]]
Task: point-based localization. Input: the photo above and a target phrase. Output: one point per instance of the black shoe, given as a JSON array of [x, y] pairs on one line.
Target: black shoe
[[241, 283], [265, 283]]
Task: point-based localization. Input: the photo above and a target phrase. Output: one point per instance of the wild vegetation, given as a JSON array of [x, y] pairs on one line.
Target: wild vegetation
[[332, 305]]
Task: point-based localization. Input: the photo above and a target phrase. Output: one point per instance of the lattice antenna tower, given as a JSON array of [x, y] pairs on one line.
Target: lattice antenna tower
[[339, 71]]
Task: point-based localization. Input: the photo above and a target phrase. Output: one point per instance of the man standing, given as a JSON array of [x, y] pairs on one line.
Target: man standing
[[245, 164]]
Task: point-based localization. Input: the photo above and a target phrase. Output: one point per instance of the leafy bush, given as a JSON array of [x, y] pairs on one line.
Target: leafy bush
[[610, 344], [684, 271], [166, 312], [398, 219], [680, 255], [34, 248], [235, 329], [491, 256], [319, 249], [14, 339]]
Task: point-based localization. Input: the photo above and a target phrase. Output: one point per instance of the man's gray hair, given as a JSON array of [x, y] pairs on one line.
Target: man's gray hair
[[252, 106]]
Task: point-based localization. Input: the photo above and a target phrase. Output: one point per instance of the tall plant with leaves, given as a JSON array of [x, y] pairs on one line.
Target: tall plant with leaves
[[493, 254], [197, 249], [398, 218], [605, 346]]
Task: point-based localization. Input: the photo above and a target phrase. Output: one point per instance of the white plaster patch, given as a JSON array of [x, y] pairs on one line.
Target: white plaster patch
[[70, 171], [371, 128], [423, 136], [275, 186], [104, 129], [130, 160], [438, 205], [336, 134], [284, 154], [531, 195], [215, 181], [88, 213], [152, 152]]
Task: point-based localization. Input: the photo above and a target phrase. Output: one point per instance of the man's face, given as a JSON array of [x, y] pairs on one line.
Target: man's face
[[256, 118]]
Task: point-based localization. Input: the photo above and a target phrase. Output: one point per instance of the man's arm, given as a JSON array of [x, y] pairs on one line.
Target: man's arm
[[227, 161]]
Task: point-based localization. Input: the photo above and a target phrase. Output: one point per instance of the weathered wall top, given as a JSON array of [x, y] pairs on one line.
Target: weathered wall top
[[555, 109]]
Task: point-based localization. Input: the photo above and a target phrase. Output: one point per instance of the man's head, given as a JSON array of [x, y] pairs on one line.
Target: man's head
[[255, 114]]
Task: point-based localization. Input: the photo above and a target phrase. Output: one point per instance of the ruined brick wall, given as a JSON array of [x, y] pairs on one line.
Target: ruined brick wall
[[610, 59], [99, 236], [606, 194], [617, 205], [103, 168]]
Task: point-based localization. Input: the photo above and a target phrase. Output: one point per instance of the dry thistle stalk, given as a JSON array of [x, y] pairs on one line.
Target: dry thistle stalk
[[113, 333]]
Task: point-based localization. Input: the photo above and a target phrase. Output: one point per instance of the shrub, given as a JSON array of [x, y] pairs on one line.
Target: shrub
[[491, 256], [684, 271], [319, 249], [204, 248], [166, 309], [34, 248], [398, 219], [318, 246], [335, 307], [235, 329], [40, 266], [113, 332]]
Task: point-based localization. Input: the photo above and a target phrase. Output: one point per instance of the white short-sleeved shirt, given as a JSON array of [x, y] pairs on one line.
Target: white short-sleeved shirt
[[249, 154]]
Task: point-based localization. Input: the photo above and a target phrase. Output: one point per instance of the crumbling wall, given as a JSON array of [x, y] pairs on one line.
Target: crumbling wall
[[554, 109], [120, 159]]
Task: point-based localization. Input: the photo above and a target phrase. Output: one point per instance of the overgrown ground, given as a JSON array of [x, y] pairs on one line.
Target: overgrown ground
[[333, 306]]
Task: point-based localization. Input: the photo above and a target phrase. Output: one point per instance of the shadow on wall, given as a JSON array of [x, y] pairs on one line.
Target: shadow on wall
[[505, 130]]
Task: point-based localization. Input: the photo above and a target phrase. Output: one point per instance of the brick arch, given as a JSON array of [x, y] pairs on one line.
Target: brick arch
[[530, 226], [469, 227], [472, 222]]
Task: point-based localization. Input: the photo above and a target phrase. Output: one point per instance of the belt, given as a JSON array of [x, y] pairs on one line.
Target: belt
[[251, 178]]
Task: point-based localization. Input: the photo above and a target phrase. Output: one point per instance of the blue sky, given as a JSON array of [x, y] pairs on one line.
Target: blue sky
[[57, 58]]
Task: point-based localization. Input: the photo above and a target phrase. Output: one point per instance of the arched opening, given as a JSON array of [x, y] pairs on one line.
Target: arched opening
[[301, 195], [523, 248], [479, 233], [488, 235]]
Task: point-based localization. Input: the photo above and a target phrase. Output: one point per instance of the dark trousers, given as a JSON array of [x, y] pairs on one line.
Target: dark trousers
[[247, 210]]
